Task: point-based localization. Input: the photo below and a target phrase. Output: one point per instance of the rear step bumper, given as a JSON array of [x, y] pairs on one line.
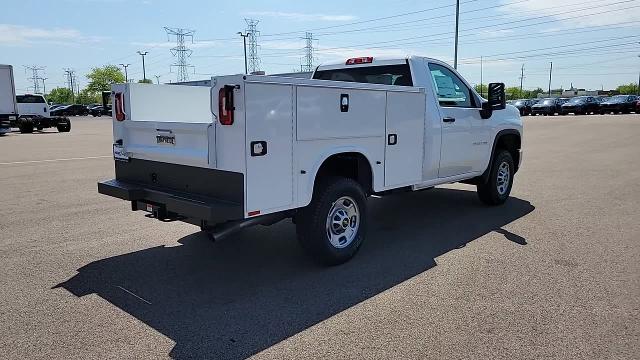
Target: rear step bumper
[[168, 204]]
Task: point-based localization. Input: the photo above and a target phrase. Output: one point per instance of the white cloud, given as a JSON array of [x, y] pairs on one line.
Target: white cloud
[[575, 12], [23, 35], [302, 17]]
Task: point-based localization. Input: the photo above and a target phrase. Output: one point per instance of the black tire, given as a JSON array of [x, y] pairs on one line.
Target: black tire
[[311, 221], [26, 126], [488, 192], [64, 126]]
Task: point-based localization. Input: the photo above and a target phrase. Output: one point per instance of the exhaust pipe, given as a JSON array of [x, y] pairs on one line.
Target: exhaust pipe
[[221, 231]]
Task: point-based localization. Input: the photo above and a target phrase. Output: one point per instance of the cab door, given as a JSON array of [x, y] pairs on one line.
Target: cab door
[[460, 121]]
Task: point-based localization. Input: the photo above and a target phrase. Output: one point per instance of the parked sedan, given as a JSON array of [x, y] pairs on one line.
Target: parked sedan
[[581, 105], [70, 110], [619, 104], [638, 106], [549, 106], [100, 110]]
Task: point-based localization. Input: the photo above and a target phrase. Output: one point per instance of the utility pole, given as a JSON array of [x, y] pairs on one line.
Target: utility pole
[[244, 42], [455, 58], [481, 89], [70, 79], [35, 77], [126, 76], [181, 52], [521, 79], [550, 72], [252, 31], [144, 72], [308, 53], [157, 79], [44, 86]]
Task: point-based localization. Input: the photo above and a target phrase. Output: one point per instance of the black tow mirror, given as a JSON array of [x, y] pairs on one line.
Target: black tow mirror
[[497, 100]]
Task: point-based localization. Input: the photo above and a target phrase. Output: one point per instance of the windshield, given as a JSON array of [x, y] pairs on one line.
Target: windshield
[[618, 99], [547, 102], [30, 99], [520, 102], [576, 100], [386, 75]]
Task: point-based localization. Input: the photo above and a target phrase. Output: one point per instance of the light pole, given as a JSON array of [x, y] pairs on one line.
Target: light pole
[[244, 42], [126, 76], [550, 72], [157, 79], [455, 58], [44, 86], [144, 72], [481, 90]]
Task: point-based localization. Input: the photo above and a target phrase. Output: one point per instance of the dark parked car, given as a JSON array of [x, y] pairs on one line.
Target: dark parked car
[[100, 110], [581, 105], [70, 110], [638, 106], [549, 106], [619, 104], [524, 106]]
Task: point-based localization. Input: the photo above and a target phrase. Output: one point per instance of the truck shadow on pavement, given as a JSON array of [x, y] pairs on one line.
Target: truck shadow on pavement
[[235, 298]]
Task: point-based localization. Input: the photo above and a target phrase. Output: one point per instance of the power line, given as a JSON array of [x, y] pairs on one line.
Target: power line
[[181, 51]]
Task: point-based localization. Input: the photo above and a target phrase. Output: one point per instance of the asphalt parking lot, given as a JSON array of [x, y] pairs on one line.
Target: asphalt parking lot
[[554, 273]]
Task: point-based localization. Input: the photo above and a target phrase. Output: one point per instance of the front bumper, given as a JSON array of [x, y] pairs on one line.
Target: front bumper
[[167, 204], [536, 111]]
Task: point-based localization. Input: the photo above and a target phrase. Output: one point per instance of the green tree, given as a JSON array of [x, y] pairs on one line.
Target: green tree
[[145, 81], [60, 96], [482, 90], [87, 97], [101, 78], [628, 89]]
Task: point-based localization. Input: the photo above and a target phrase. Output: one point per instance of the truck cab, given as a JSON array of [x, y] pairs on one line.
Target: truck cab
[[255, 149], [34, 105]]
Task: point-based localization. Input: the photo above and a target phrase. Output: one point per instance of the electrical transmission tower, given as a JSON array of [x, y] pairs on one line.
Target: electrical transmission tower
[[181, 51], [252, 51], [35, 77], [308, 53]]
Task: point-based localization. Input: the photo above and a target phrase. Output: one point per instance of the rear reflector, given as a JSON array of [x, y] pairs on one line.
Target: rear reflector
[[253, 213], [119, 105], [360, 60], [225, 105]]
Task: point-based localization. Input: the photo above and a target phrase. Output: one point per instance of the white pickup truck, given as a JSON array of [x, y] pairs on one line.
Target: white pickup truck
[[258, 149]]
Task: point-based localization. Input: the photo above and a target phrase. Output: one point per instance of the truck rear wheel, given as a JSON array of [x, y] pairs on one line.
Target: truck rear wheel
[[497, 189], [25, 125], [332, 227], [64, 126]]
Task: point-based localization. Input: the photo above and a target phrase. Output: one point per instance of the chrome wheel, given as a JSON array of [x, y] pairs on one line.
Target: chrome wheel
[[343, 222], [504, 175]]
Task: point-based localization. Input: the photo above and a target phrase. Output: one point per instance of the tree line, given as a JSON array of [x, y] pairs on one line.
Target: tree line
[[100, 79], [513, 92]]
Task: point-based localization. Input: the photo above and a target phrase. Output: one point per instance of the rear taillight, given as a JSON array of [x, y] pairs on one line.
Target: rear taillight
[[225, 105], [119, 105]]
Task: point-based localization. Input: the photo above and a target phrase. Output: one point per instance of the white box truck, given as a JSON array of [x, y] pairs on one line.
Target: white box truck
[[8, 105], [258, 149]]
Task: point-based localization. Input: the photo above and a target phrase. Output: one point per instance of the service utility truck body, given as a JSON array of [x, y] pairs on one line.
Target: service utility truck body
[[257, 149], [8, 105]]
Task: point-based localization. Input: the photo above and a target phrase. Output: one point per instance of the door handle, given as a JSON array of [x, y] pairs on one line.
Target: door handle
[[392, 139], [449, 119]]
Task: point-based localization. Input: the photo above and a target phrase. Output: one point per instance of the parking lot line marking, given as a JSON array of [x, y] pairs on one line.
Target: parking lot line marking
[[54, 160], [130, 293]]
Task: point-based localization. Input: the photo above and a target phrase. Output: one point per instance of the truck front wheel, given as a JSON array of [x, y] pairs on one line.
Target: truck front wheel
[[497, 189], [26, 125], [332, 227], [64, 126]]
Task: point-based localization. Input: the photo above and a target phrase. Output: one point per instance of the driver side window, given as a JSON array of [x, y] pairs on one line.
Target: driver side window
[[452, 92]]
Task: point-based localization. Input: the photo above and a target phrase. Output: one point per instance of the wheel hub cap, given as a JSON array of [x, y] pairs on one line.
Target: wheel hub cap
[[343, 221], [504, 175]]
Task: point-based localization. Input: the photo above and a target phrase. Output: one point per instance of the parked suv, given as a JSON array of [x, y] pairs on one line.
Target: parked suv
[[581, 105], [70, 110], [524, 106], [619, 104]]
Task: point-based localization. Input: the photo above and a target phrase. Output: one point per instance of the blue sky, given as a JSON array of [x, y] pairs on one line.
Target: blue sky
[[592, 44]]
